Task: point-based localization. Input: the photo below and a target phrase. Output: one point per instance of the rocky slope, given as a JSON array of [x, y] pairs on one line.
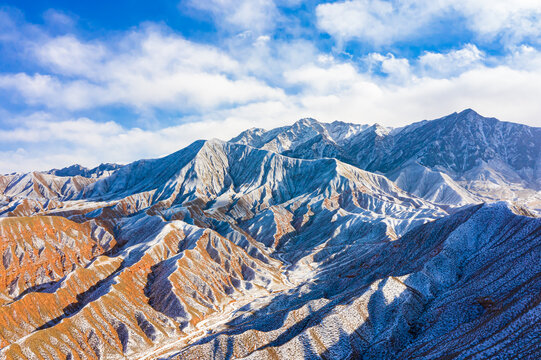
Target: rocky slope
[[284, 249]]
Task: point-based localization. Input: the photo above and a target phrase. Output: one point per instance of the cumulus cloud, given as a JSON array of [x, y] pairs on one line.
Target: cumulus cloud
[[388, 21], [329, 90], [58, 19], [427, 87], [376, 21], [257, 16], [316, 78], [452, 62], [514, 20], [151, 69], [501, 91], [397, 69], [70, 56]]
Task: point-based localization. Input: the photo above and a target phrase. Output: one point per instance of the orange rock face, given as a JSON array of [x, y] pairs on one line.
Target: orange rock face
[[41, 250]]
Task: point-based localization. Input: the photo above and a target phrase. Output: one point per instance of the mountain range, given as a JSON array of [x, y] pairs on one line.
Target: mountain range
[[458, 159], [315, 240]]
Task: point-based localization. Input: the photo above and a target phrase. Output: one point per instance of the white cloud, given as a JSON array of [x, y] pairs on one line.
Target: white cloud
[[424, 88], [83, 131], [151, 69], [396, 69], [58, 19], [257, 16], [318, 79], [70, 56], [329, 90], [384, 22], [508, 94], [376, 21], [515, 20], [452, 62]]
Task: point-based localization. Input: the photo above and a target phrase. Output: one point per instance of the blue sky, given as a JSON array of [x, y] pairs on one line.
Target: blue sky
[[114, 81]]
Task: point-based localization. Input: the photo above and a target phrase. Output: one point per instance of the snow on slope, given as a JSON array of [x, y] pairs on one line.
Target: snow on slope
[[434, 186]]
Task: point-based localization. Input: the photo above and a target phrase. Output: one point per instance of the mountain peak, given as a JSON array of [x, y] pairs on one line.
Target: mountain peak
[[472, 117], [462, 120], [380, 130], [469, 112], [306, 121]]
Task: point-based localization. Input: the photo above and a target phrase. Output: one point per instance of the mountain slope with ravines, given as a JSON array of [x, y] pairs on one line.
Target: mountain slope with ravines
[[316, 240]]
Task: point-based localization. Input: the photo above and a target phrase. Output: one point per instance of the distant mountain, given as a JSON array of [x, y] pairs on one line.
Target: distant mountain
[[321, 138], [78, 170], [458, 159], [293, 243]]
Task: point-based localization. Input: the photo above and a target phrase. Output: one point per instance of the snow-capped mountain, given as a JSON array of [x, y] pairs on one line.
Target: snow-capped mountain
[[458, 159], [101, 170], [334, 241]]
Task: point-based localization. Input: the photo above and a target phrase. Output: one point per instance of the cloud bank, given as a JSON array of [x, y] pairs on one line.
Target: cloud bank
[[381, 22]]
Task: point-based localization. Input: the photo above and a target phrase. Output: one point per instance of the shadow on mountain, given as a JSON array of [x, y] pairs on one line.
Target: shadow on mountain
[[84, 298], [103, 286]]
